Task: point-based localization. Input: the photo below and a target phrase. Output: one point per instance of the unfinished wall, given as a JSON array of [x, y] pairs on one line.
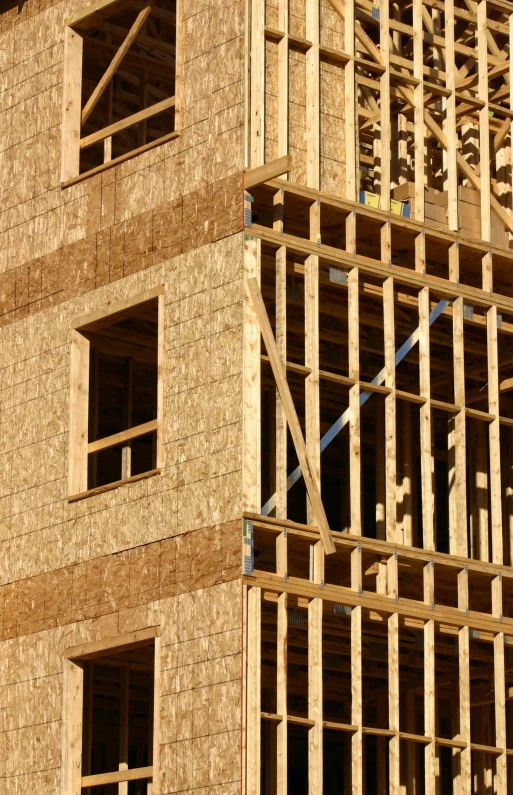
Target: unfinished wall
[[200, 691], [109, 222]]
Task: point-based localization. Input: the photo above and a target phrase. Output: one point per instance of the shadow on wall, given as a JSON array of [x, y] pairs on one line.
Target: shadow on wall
[[6, 5]]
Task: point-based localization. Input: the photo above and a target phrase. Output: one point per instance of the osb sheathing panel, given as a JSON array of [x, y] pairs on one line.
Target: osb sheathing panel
[[271, 100], [37, 217], [200, 704], [200, 483]]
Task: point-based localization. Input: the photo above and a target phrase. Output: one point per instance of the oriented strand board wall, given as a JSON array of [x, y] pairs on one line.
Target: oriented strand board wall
[[200, 692], [200, 483], [101, 216]]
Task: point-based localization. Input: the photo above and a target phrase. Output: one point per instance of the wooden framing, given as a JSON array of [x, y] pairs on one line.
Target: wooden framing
[[75, 117], [73, 781], [80, 448], [384, 304]]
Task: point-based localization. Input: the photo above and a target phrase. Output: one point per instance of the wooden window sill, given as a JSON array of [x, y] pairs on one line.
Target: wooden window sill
[[121, 159], [111, 486]]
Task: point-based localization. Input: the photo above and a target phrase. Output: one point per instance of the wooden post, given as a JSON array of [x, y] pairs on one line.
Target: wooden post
[[429, 707], [464, 685], [71, 104], [254, 708], [72, 728], [251, 383], [123, 726], [313, 111], [379, 444], [78, 413], [315, 745], [257, 109], [281, 420], [283, 80], [159, 458], [281, 696], [352, 161], [384, 120], [126, 452], [450, 111], [484, 120], [393, 702], [458, 503], [355, 476], [312, 402], [418, 97], [426, 455], [494, 437], [356, 701], [501, 777], [390, 409], [407, 475]]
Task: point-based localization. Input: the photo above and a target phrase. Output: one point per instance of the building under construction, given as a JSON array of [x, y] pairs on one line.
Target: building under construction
[[256, 397]]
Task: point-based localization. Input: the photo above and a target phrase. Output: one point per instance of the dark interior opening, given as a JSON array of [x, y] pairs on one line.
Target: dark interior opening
[[117, 728], [123, 381]]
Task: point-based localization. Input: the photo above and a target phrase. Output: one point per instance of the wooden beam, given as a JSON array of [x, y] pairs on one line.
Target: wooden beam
[[271, 170], [122, 436], [97, 94], [426, 454], [119, 643], [307, 468], [118, 776], [135, 118]]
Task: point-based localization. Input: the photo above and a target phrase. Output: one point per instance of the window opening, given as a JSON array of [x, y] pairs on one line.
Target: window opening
[[120, 91], [115, 400]]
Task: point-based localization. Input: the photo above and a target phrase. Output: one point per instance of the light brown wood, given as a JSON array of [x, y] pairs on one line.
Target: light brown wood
[[121, 159], [281, 382], [271, 170], [96, 648], [114, 485], [356, 701], [135, 774], [253, 691], [123, 124], [97, 94], [251, 385], [123, 436], [73, 689], [79, 413]]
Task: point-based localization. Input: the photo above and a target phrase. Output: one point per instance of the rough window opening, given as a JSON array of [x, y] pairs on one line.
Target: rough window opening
[[117, 725], [123, 390], [120, 96], [115, 398]]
